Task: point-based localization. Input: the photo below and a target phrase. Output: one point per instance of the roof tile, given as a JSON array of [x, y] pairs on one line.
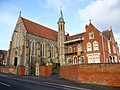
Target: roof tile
[[39, 30]]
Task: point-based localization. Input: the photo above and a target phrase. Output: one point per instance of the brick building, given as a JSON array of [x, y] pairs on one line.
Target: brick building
[[91, 46], [33, 43], [3, 55]]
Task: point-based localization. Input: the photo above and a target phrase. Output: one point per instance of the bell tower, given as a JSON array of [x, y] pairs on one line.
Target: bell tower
[[61, 35]]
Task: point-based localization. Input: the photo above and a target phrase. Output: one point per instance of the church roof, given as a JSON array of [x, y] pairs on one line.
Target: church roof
[[39, 30]]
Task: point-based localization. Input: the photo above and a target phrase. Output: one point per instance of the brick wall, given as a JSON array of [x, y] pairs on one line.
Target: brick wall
[[102, 74], [8, 69], [46, 70], [12, 70], [21, 70]]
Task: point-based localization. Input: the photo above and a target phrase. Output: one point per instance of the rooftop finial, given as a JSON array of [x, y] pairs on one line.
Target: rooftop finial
[[61, 15], [20, 14], [61, 12], [90, 20], [110, 27]]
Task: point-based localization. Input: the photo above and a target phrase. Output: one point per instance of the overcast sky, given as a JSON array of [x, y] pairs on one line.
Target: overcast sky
[[103, 13]]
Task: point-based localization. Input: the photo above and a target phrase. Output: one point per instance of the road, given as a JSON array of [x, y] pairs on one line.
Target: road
[[10, 82], [20, 84]]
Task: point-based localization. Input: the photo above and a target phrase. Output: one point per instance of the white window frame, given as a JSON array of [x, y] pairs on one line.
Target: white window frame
[[79, 47], [93, 58], [91, 35], [89, 47], [95, 46]]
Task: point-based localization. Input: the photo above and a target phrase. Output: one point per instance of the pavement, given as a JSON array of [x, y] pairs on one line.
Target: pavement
[[57, 81]]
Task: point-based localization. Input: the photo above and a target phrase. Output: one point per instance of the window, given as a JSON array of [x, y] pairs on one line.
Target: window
[[32, 48], [38, 49], [90, 59], [95, 45], [89, 47], [52, 51], [91, 35], [42, 49], [79, 48], [19, 37], [15, 40], [69, 49], [95, 58]]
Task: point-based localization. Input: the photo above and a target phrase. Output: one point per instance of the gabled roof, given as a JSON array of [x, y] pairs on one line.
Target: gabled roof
[[107, 34], [39, 30]]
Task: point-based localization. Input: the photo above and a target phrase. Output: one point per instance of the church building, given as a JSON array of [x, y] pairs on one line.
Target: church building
[[33, 43]]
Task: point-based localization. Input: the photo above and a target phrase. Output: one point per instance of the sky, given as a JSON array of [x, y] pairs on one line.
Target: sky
[[77, 13]]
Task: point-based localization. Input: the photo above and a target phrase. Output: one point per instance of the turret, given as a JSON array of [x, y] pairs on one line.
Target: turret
[[61, 39]]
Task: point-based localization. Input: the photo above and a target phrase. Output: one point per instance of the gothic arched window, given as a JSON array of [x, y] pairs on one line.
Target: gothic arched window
[[52, 51], [89, 46], [42, 49], [95, 45], [32, 47], [79, 48]]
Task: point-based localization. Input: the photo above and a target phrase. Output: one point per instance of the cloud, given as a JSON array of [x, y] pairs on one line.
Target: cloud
[[56, 4], [104, 13]]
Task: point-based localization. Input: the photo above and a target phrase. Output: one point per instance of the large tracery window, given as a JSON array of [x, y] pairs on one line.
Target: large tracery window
[[89, 47], [95, 45], [52, 51], [42, 49]]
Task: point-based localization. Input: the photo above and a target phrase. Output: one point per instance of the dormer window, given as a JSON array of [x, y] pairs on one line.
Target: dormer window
[[91, 35]]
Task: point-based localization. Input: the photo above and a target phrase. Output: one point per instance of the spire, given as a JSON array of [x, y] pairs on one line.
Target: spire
[[20, 14], [61, 19], [61, 13]]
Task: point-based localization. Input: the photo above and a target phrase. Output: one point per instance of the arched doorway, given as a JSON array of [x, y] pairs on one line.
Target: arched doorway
[[16, 58]]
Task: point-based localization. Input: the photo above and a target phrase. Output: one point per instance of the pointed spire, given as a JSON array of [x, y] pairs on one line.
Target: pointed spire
[[61, 19], [61, 13], [20, 14]]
